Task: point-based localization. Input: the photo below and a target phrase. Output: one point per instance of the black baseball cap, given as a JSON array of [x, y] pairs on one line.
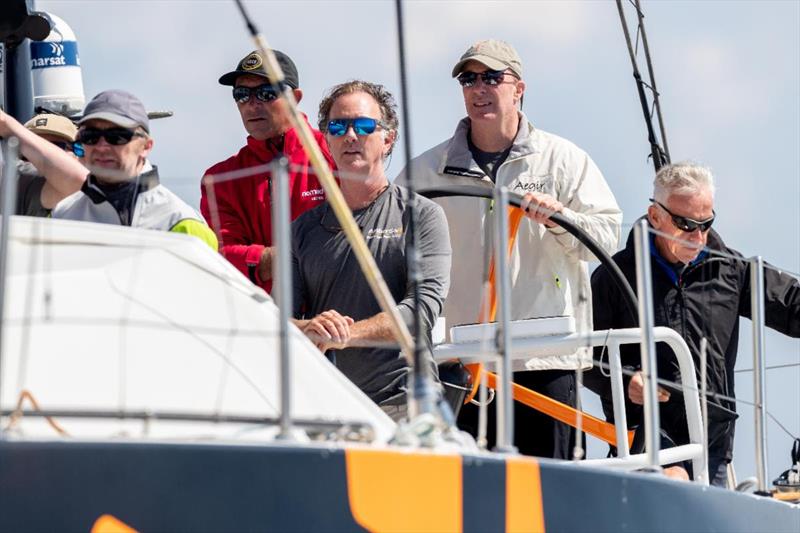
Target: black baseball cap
[[253, 63]]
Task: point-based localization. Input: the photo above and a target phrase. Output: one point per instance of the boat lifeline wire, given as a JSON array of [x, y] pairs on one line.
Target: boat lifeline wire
[[420, 377]]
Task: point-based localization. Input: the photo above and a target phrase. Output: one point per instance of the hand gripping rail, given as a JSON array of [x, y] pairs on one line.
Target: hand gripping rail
[[525, 347]]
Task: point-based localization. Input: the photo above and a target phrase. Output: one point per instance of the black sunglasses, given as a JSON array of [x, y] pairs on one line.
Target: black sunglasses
[[64, 145], [687, 224], [489, 77], [264, 93], [114, 136]]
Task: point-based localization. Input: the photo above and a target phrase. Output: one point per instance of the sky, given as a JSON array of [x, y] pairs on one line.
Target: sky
[[728, 73]]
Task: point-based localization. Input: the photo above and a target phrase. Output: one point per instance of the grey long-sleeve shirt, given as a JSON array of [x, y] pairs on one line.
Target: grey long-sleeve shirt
[[327, 276]]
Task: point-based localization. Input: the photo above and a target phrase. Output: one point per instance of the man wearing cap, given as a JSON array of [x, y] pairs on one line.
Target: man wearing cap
[[123, 187], [495, 144], [238, 205], [50, 172]]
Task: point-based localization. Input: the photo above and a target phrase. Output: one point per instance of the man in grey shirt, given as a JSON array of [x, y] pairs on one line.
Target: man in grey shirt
[[334, 305]]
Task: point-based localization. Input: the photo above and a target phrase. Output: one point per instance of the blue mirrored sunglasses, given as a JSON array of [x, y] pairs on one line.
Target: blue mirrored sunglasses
[[361, 125], [263, 93]]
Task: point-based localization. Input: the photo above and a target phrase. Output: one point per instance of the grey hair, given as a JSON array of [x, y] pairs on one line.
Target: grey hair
[[682, 178], [379, 93]]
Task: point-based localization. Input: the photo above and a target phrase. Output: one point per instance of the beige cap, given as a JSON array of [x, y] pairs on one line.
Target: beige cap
[[46, 124], [497, 55]]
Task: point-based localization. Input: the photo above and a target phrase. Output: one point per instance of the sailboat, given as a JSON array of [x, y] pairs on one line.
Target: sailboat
[[125, 410]]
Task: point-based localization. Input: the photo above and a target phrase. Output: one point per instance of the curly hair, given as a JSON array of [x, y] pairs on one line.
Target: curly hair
[[379, 93]]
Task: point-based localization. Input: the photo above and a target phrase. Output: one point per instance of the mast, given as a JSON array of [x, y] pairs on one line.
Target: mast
[[651, 110]]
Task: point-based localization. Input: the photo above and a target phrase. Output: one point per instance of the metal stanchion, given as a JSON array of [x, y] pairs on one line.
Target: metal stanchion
[[759, 376], [282, 283], [9, 198], [505, 407], [618, 399], [644, 289]]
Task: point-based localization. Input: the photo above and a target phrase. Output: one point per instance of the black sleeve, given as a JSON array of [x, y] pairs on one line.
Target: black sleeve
[[298, 285], [29, 196], [781, 300], [605, 300]]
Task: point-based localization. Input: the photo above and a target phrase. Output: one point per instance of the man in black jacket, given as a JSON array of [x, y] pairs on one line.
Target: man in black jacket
[[700, 289]]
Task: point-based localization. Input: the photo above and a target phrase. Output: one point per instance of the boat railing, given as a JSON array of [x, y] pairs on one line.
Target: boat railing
[[542, 346]]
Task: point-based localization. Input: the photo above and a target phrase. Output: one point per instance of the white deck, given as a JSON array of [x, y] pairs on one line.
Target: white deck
[[101, 317]]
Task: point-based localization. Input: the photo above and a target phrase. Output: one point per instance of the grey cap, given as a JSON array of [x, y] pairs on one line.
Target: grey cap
[[497, 55], [118, 107]]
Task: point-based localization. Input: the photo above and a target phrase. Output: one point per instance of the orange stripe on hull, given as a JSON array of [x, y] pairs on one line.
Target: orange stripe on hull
[[404, 492], [109, 524], [524, 508]]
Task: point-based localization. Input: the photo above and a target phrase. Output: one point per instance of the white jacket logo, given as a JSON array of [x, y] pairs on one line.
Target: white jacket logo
[[391, 233], [314, 194], [537, 184]]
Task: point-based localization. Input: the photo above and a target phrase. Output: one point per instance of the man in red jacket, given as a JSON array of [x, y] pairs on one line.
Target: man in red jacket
[[239, 206]]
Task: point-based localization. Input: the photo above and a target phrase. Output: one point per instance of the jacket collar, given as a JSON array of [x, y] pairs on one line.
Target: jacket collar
[[458, 158], [147, 180], [266, 151]]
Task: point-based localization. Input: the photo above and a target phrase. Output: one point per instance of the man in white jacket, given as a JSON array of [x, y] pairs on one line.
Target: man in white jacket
[[497, 144]]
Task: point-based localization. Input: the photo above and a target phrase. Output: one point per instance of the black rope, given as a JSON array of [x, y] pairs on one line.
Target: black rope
[[248, 22], [483, 191]]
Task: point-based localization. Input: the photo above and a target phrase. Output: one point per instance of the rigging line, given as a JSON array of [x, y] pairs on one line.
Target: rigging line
[[584, 300], [714, 395], [656, 152], [722, 254], [257, 170], [772, 367], [213, 208], [341, 174], [774, 419], [229, 343], [240, 173], [133, 281], [247, 288], [651, 73], [47, 274], [202, 341], [98, 322], [422, 382], [22, 369], [679, 387]]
